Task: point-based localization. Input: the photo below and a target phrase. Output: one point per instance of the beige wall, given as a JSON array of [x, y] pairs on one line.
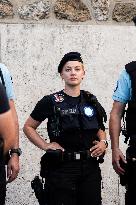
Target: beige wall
[[32, 50], [32, 53]]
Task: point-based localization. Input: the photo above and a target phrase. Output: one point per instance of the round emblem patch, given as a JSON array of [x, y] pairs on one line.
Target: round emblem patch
[[89, 111]]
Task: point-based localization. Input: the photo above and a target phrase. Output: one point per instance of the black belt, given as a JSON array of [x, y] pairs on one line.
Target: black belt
[[80, 155], [68, 156]]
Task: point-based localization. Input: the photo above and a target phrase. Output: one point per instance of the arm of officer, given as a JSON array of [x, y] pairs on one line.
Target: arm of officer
[[114, 129], [7, 130], [13, 164], [31, 133], [99, 146], [15, 118]]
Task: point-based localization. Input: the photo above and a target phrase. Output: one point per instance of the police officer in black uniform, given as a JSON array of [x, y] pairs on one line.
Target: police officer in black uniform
[[124, 98], [76, 131]]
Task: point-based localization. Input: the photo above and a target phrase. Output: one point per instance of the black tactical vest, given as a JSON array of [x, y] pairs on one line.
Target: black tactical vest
[[73, 121], [131, 110]]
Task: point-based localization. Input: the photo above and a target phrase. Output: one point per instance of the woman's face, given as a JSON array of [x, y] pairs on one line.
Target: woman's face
[[73, 73]]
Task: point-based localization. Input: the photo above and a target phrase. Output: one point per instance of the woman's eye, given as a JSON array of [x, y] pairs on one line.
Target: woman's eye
[[77, 69], [67, 70]]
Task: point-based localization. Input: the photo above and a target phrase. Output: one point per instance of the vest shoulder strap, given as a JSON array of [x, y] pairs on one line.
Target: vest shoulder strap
[[93, 100], [131, 67], [2, 78], [131, 70]]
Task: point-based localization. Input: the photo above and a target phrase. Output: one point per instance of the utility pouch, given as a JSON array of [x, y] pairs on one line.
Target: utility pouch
[[123, 177], [49, 161], [39, 190], [131, 163]]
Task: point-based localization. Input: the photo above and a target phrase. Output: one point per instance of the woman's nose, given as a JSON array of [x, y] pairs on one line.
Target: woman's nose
[[72, 71]]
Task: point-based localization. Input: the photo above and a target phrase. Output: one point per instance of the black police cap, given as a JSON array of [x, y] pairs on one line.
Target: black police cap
[[71, 56]]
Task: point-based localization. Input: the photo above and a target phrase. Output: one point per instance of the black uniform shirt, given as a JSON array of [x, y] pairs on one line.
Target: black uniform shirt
[[43, 108], [70, 140], [4, 105]]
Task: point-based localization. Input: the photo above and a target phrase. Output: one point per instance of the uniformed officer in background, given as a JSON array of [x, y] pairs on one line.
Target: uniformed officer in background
[[13, 160], [77, 136], [7, 138], [125, 94]]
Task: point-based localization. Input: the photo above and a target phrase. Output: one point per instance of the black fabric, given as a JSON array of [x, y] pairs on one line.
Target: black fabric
[[2, 175], [130, 196], [101, 113], [75, 183], [131, 111], [74, 135], [131, 69], [71, 56], [71, 182], [2, 78], [4, 105], [131, 118], [42, 110], [2, 183]]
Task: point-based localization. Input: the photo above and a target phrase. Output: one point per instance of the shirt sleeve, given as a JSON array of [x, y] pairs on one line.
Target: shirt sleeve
[[4, 105], [8, 82], [123, 91], [42, 109]]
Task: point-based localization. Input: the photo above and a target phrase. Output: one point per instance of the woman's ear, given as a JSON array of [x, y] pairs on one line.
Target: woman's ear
[[61, 76]]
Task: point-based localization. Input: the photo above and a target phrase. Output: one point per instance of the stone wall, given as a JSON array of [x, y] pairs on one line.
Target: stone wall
[[68, 11], [32, 52], [34, 35]]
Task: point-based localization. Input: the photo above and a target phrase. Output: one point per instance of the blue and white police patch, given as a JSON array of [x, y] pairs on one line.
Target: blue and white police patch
[[89, 111]]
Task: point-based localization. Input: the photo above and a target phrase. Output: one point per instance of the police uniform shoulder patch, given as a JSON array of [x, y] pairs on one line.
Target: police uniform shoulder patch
[[58, 97], [89, 111]]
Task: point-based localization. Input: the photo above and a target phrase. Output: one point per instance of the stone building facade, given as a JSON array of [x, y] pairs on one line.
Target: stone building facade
[[34, 35], [88, 11]]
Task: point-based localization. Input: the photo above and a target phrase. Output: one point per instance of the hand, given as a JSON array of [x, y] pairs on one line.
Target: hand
[[117, 155], [98, 149], [53, 146], [13, 168]]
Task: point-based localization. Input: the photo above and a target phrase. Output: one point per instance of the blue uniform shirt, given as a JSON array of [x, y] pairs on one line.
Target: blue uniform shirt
[[8, 82], [123, 91]]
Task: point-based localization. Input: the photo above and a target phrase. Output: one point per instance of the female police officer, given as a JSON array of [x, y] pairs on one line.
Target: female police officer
[[74, 124]]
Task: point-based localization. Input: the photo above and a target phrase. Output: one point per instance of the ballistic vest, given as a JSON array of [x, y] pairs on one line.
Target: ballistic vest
[[131, 110], [74, 120]]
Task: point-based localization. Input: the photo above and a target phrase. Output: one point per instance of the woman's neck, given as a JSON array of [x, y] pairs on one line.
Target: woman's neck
[[74, 91]]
